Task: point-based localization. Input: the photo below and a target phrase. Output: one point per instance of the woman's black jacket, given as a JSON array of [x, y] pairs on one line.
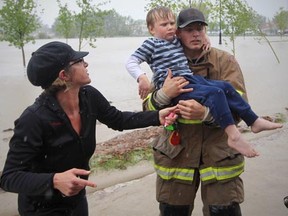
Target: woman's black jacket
[[45, 143]]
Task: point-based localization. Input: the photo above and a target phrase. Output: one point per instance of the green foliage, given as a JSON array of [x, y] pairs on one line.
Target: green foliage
[[280, 118], [235, 18], [120, 161], [281, 20], [117, 25], [91, 22], [177, 6], [18, 21], [65, 21], [86, 25], [87, 22]]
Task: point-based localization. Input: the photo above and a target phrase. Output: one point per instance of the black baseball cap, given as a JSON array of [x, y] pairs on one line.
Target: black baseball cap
[[46, 62], [188, 16]]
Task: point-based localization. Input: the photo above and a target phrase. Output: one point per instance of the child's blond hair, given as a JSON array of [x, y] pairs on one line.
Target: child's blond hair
[[157, 13]]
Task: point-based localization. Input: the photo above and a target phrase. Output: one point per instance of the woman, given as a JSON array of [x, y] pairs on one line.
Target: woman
[[48, 160]]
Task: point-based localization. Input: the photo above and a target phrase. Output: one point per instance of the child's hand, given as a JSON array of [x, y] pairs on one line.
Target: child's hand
[[206, 43], [143, 86], [174, 86]]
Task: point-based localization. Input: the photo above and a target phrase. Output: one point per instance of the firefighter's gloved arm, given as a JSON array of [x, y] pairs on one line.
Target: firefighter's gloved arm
[[156, 100], [161, 99]]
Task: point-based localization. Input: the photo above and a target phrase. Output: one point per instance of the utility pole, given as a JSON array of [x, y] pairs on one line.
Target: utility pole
[[220, 21]]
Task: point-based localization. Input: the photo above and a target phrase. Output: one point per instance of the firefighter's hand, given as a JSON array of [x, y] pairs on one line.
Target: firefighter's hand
[[206, 43], [69, 183], [191, 109]]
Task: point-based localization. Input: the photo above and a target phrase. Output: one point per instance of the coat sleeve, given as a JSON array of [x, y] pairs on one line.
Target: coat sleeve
[[24, 147], [120, 120]]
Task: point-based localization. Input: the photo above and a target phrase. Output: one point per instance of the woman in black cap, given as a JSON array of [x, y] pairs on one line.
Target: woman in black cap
[[48, 160]]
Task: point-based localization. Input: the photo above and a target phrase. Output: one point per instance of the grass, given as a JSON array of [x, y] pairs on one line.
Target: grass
[[120, 161], [280, 118]]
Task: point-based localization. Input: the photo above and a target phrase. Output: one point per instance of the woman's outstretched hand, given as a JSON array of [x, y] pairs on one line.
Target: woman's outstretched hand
[[168, 115]]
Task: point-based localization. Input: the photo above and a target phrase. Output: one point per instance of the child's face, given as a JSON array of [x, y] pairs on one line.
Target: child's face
[[164, 28]]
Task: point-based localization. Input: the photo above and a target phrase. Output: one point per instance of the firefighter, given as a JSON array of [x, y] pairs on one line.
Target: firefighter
[[195, 153]]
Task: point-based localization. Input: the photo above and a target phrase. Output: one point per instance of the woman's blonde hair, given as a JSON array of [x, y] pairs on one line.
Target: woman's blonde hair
[[59, 85]]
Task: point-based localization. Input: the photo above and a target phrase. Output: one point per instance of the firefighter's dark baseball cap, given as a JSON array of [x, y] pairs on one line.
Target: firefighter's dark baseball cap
[[46, 62], [188, 16]]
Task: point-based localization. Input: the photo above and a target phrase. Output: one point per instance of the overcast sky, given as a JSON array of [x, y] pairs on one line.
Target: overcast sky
[[135, 8]]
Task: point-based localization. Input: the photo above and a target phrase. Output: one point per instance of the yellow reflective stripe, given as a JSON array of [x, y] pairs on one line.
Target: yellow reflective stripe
[[174, 173], [149, 103], [240, 92], [188, 121], [147, 97], [221, 173]]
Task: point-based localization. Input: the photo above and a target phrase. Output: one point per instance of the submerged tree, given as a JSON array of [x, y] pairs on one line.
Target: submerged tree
[[236, 18], [65, 21], [177, 6], [281, 20], [86, 22], [117, 25], [85, 25], [18, 20]]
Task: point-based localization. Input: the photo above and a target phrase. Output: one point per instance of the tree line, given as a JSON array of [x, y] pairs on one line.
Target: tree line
[[19, 21]]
